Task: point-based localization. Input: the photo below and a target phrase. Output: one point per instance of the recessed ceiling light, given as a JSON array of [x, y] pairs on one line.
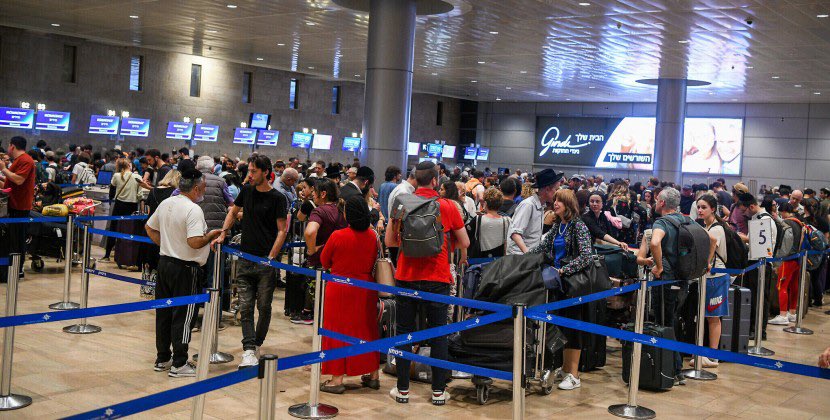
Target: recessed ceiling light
[[494, 32], [481, 62], [711, 93], [734, 100], [310, 23], [435, 74], [508, 88], [211, 31], [498, 99], [816, 93], [56, 24], [822, 16], [592, 87], [796, 85], [473, 81], [567, 99], [311, 67], [584, 4], [356, 75], [683, 41], [133, 16], [231, 6], [750, 67], [776, 77], [523, 72], [280, 44], [259, 59]]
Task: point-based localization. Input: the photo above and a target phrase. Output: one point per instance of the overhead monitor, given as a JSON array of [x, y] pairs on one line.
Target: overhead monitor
[[351, 144], [321, 141], [483, 153], [449, 152], [470, 153], [259, 121], [435, 149], [179, 130], [52, 121], [268, 137], [135, 127], [16, 117], [104, 124], [301, 140], [244, 135], [205, 132], [412, 149], [712, 145]]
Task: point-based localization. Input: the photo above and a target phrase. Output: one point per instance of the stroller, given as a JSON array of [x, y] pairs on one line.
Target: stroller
[[510, 279]]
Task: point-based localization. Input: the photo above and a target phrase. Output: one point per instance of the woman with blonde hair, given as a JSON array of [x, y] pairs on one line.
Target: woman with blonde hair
[[124, 189]]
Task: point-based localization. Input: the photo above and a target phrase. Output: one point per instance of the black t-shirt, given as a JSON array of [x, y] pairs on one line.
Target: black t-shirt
[[259, 220], [162, 172]]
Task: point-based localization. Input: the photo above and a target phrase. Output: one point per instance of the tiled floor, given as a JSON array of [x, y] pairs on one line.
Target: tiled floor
[[67, 374]]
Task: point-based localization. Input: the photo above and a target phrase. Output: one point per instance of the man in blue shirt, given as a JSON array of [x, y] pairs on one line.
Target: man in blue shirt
[[392, 179]]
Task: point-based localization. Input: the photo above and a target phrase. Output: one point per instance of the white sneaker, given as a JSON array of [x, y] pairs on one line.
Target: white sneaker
[[249, 359], [440, 398], [791, 317], [779, 320], [186, 370], [570, 382], [398, 396]]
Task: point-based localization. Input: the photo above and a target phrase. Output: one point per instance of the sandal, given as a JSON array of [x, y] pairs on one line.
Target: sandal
[[368, 382], [332, 389]]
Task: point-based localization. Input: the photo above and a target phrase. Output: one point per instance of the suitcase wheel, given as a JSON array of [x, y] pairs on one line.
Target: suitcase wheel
[[482, 394], [38, 265], [546, 383]]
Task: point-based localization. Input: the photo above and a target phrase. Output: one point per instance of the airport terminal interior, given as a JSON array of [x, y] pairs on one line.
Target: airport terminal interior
[[627, 111]]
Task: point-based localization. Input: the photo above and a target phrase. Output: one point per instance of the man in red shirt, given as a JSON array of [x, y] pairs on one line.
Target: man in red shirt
[[20, 178], [427, 274]]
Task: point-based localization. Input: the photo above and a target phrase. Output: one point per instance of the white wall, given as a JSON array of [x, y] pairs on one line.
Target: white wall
[[783, 143]]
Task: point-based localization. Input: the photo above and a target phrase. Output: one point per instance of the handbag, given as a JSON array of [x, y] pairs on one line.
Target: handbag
[[592, 279], [384, 271]]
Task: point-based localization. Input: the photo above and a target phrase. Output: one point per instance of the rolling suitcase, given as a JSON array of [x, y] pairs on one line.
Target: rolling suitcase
[[656, 364], [126, 251], [295, 291], [735, 327], [593, 350]]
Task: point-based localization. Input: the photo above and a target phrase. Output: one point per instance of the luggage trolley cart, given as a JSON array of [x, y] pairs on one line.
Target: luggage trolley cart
[[46, 239]]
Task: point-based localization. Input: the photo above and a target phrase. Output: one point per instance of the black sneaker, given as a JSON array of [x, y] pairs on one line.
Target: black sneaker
[[303, 319], [281, 284]]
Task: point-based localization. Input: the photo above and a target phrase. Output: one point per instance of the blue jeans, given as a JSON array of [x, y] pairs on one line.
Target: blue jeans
[[436, 313]]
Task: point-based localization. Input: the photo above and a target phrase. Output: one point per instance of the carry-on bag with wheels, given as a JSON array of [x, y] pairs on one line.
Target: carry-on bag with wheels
[[656, 364]]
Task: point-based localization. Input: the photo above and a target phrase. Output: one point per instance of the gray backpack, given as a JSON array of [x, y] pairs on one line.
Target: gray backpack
[[422, 233]]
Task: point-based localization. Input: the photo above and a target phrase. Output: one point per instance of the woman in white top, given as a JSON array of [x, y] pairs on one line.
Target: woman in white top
[[491, 228], [124, 189], [717, 285], [469, 203]]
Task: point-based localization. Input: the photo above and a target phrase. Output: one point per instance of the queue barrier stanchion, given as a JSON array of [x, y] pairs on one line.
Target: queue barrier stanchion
[[519, 359], [697, 372], [216, 356], [268, 387], [802, 285], [9, 401], [631, 410], [65, 303], [208, 325], [83, 327], [313, 409], [758, 349]]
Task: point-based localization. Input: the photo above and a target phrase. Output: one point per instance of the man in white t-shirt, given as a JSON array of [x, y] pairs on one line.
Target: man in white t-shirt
[[178, 226]]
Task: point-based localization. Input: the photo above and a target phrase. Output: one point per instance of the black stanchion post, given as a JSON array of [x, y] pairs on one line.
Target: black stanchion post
[[208, 323], [519, 349], [697, 372], [65, 303], [631, 410], [216, 356], [757, 349], [9, 401], [268, 387], [313, 409], [83, 327], [802, 285]]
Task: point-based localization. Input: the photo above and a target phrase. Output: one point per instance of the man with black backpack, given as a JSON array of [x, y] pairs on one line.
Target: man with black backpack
[[426, 228], [749, 205]]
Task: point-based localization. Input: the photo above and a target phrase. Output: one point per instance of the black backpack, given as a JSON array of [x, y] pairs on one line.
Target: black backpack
[[692, 249], [737, 254], [422, 233]]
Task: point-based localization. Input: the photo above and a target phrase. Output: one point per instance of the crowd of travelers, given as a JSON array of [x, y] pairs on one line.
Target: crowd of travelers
[[348, 218]]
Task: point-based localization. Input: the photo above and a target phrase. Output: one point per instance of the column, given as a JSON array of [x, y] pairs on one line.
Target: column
[[388, 95], [668, 136]]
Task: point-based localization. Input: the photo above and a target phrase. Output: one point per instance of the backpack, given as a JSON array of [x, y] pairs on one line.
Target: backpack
[[62, 177], [814, 240], [692, 249], [422, 233], [791, 242], [737, 253], [509, 212], [40, 174], [87, 176]]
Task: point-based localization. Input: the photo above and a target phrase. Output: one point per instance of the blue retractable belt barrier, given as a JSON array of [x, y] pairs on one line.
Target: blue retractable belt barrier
[[416, 294], [39, 318], [444, 364], [168, 397], [761, 362], [119, 235], [94, 218], [4, 261], [476, 261], [561, 304], [270, 263], [293, 245], [119, 277], [11, 220]]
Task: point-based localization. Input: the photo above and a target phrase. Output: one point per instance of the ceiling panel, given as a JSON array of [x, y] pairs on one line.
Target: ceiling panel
[[524, 50]]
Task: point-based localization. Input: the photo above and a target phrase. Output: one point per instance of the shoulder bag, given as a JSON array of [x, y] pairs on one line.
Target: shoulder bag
[[384, 271], [592, 279]]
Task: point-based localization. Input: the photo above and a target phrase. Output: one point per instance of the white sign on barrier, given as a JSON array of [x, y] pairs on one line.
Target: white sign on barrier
[[760, 238]]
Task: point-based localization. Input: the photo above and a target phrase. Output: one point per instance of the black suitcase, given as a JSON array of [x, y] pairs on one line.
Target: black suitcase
[[685, 327], [295, 291], [593, 352], [656, 364], [735, 327], [127, 252]]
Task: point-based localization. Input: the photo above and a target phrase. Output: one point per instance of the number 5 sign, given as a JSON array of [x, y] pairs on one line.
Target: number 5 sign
[[760, 238]]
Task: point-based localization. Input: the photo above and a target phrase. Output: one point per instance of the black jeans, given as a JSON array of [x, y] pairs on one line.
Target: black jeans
[[17, 241], [436, 313], [255, 284], [176, 278]]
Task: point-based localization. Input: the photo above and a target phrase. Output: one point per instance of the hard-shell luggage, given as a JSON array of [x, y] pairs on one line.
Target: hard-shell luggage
[[735, 327], [593, 350], [656, 364], [620, 263], [685, 326], [387, 316], [127, 252]]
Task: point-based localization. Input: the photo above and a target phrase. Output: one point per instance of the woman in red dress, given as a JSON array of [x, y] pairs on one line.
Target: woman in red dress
[[350, 310]]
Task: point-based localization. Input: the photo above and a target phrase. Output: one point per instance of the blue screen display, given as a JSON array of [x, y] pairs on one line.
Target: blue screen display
[[136, 127], [52, 121], [260, 121], [206, 132], [434, 150], [244, 135], [267, 137], [351, 144], [16, 117], [179, 130], [103, 124], [483, 153], [301, 140], [470, 153]]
